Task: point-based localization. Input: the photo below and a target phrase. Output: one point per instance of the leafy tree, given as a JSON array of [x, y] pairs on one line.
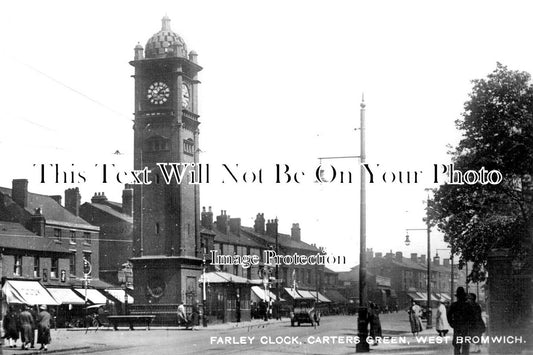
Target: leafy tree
[[497, 127]]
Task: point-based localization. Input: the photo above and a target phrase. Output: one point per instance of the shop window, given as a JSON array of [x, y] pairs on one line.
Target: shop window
[[36, 266], [54, 270], [17, 268]]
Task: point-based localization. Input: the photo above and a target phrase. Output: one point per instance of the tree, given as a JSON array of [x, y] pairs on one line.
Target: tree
[[497, 127]]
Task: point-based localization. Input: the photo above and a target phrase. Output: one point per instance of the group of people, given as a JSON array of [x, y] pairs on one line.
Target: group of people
[[464, 316], [25, 322]]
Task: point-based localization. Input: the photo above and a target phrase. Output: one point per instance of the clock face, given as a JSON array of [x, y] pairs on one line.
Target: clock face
[[158, 93], [185, 95]]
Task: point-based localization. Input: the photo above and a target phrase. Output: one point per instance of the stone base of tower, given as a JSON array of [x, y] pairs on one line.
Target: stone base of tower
[[161, 283]]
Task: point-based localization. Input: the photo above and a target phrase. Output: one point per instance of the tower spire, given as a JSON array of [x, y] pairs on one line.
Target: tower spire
[[165, 23], [363, 105]]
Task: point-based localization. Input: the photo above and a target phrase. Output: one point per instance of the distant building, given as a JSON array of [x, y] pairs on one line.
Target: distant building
[[392, 278]]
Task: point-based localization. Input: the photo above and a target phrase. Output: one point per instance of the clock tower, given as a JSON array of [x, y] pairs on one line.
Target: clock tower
[[166, 226]]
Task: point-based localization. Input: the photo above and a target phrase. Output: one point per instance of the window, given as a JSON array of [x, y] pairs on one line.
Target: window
[[17, 269], [54, 270], [72, 237], [87, 237], [36, 266], [72, 263], [188, 146], [57, 233]]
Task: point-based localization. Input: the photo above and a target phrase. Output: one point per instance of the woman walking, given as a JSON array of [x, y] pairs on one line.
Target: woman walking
[[442, 320], [43, 328], [415, 312]]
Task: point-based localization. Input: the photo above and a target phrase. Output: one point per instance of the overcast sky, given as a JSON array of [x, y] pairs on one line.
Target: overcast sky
[[282, 83]]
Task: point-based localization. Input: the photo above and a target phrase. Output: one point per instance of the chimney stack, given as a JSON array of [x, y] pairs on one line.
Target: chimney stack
[[259, 224], [207, 218], [378, 255], [414, 257], [271, 227], [19, 192], [99, 197], [423, 259], [295, 231], [127, 201], [436, 261], [446, 262], [72, 200], [37, 222], [222, 222], [399, 256]]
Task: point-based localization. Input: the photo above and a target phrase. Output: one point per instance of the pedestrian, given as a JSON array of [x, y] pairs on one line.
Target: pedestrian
[[478, 327], [34, 315], [375, 323], [26, 327], [415, 312], [182, 316], [11, 327], [195, 315], [43, 328], [461, 317], [442, 320]]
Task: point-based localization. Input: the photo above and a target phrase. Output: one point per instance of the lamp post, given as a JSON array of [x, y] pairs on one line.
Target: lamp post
[[362, 315], [451, 269], [407, 242], [277, 304]]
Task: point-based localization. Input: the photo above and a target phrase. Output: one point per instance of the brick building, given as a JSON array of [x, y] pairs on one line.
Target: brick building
[[48, 240], [116, 233]]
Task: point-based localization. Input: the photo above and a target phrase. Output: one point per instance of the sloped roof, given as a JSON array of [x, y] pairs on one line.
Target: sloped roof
[[112, 211], [15, 236], [52, 211], [233, 239], [284, 240]]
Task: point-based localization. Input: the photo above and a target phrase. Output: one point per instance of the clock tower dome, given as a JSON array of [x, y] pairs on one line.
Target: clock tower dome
[[166, 226]]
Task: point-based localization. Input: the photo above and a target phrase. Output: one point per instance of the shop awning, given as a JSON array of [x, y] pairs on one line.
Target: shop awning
[[443, 297], [94, 296], [306, 294], [224, 277], [264, 296], [321, 297], [335, 296], [416, 296], [120, 295], [27, 292], [293, 293], [65, 296]]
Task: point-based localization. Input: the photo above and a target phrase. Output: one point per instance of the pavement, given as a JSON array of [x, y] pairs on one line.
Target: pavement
[[269, 337]]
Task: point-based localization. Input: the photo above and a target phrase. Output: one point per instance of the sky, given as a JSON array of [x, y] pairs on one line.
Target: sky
[[282, 84]]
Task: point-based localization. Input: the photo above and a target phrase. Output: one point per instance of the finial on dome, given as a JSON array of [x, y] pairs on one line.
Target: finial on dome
[[165, 23]]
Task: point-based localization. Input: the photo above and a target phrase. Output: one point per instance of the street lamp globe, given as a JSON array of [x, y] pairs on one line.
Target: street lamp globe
[[407, 241]]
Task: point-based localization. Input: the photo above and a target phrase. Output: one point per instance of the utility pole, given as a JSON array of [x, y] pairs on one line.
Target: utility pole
[[362, 318]]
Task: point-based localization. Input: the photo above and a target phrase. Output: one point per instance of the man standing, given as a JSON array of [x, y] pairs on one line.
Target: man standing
[[461, 318], [26, 328], [43, 328]]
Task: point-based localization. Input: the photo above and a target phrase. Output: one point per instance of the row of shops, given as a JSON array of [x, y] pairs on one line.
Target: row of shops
[[68, 305], [231, 298]]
